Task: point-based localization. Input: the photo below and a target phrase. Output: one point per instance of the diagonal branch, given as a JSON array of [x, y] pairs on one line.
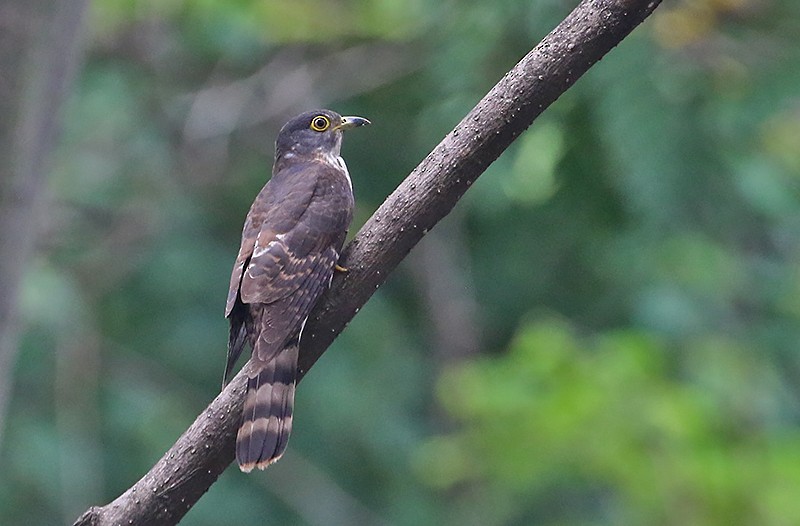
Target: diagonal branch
[[195, 461]]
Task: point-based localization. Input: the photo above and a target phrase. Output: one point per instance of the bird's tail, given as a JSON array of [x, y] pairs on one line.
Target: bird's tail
[[267, 414]]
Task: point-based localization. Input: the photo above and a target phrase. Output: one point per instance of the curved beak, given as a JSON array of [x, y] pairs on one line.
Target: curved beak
[[352, 122]]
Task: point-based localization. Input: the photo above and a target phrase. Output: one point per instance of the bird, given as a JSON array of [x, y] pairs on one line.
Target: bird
[[291, 243]]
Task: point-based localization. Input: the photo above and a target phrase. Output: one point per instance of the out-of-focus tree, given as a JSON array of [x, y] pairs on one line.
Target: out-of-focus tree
[[40, 50]]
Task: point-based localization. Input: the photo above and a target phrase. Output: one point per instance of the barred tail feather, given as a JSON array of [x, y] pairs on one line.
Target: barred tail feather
[[267, 414]]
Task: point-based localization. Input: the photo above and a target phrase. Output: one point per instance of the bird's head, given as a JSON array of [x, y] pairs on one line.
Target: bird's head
[[314, 133]]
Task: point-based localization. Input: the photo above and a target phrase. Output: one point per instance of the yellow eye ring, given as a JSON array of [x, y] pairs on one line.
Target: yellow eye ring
[[320, 123]]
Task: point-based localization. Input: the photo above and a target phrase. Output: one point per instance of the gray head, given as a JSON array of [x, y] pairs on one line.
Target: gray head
[[313, 133]]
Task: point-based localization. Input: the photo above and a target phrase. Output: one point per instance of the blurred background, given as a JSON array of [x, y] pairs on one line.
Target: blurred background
[[604, 332]]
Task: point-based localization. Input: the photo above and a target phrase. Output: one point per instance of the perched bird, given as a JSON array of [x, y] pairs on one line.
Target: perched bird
[[291, 241]]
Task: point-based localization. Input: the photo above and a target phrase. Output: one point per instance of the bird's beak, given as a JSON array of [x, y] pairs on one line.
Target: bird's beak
[[352, 122]]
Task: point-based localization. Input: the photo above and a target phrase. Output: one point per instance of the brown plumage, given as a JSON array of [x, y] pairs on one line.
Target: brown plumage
[[291, 241]]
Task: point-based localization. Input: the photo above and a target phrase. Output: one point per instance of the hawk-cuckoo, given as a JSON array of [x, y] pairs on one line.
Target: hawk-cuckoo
[[291, 241]]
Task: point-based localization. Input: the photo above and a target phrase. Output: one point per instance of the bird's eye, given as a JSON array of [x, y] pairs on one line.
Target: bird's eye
[[320, 123]]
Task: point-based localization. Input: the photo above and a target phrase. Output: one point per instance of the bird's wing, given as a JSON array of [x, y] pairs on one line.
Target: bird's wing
[[283, 319], [275, 213], [286, 264], [293, 252], [249, 235]]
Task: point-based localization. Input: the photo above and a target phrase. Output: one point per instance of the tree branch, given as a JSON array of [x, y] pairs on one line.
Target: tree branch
[[190, 466]]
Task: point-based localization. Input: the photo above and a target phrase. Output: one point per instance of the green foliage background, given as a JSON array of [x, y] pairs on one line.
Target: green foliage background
[[605, 332]]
